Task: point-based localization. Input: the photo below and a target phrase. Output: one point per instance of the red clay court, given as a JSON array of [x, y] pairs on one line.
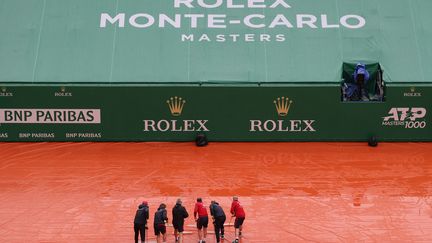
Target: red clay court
[[292, 192]]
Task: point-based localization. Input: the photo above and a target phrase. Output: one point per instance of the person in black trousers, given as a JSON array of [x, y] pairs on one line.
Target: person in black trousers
[[219, 218], [179, 214], [140, 221]]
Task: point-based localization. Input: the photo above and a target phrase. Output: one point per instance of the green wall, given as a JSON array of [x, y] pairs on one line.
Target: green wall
[[226, 112]]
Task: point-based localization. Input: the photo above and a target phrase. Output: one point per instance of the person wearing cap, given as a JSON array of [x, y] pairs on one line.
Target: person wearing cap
[[179, 214], [361, 76], [358, 90], [238, 212], [201, 217], [160, 219], [140, 221], [219, 218]]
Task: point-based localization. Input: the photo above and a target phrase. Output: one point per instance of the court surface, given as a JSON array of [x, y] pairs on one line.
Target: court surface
[[291, 192]]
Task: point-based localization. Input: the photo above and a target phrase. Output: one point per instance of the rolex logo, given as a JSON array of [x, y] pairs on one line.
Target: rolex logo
[[282, 105], [413, 92], [4, 92], [176, 105], [63, 92]]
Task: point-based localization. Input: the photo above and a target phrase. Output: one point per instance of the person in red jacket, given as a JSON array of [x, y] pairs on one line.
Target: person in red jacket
[[201, 217], [238, 212]]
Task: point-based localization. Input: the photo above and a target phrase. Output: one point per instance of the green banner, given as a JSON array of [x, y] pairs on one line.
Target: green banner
[[223, 113], [138, 41]]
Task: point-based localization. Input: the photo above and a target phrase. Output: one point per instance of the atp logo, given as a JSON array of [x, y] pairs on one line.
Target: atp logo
[[407, 117]]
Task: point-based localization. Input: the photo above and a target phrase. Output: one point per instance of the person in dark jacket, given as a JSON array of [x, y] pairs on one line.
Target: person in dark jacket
[[219, 218], [179, 214], [160, 219], [140, 221]]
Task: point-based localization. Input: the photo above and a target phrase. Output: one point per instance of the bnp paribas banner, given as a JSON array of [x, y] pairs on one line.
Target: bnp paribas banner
[[139, 113]]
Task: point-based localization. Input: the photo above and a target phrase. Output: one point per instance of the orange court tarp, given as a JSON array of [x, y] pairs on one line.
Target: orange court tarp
[[291, 192]]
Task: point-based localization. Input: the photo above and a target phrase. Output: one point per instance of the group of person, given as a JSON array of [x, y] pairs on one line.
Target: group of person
[[179, 214]]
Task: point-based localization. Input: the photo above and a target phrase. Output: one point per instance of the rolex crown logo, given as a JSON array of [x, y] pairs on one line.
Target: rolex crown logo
[[3, 89], [412, 89], [282, 105], [63, 89], [176, 105]]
